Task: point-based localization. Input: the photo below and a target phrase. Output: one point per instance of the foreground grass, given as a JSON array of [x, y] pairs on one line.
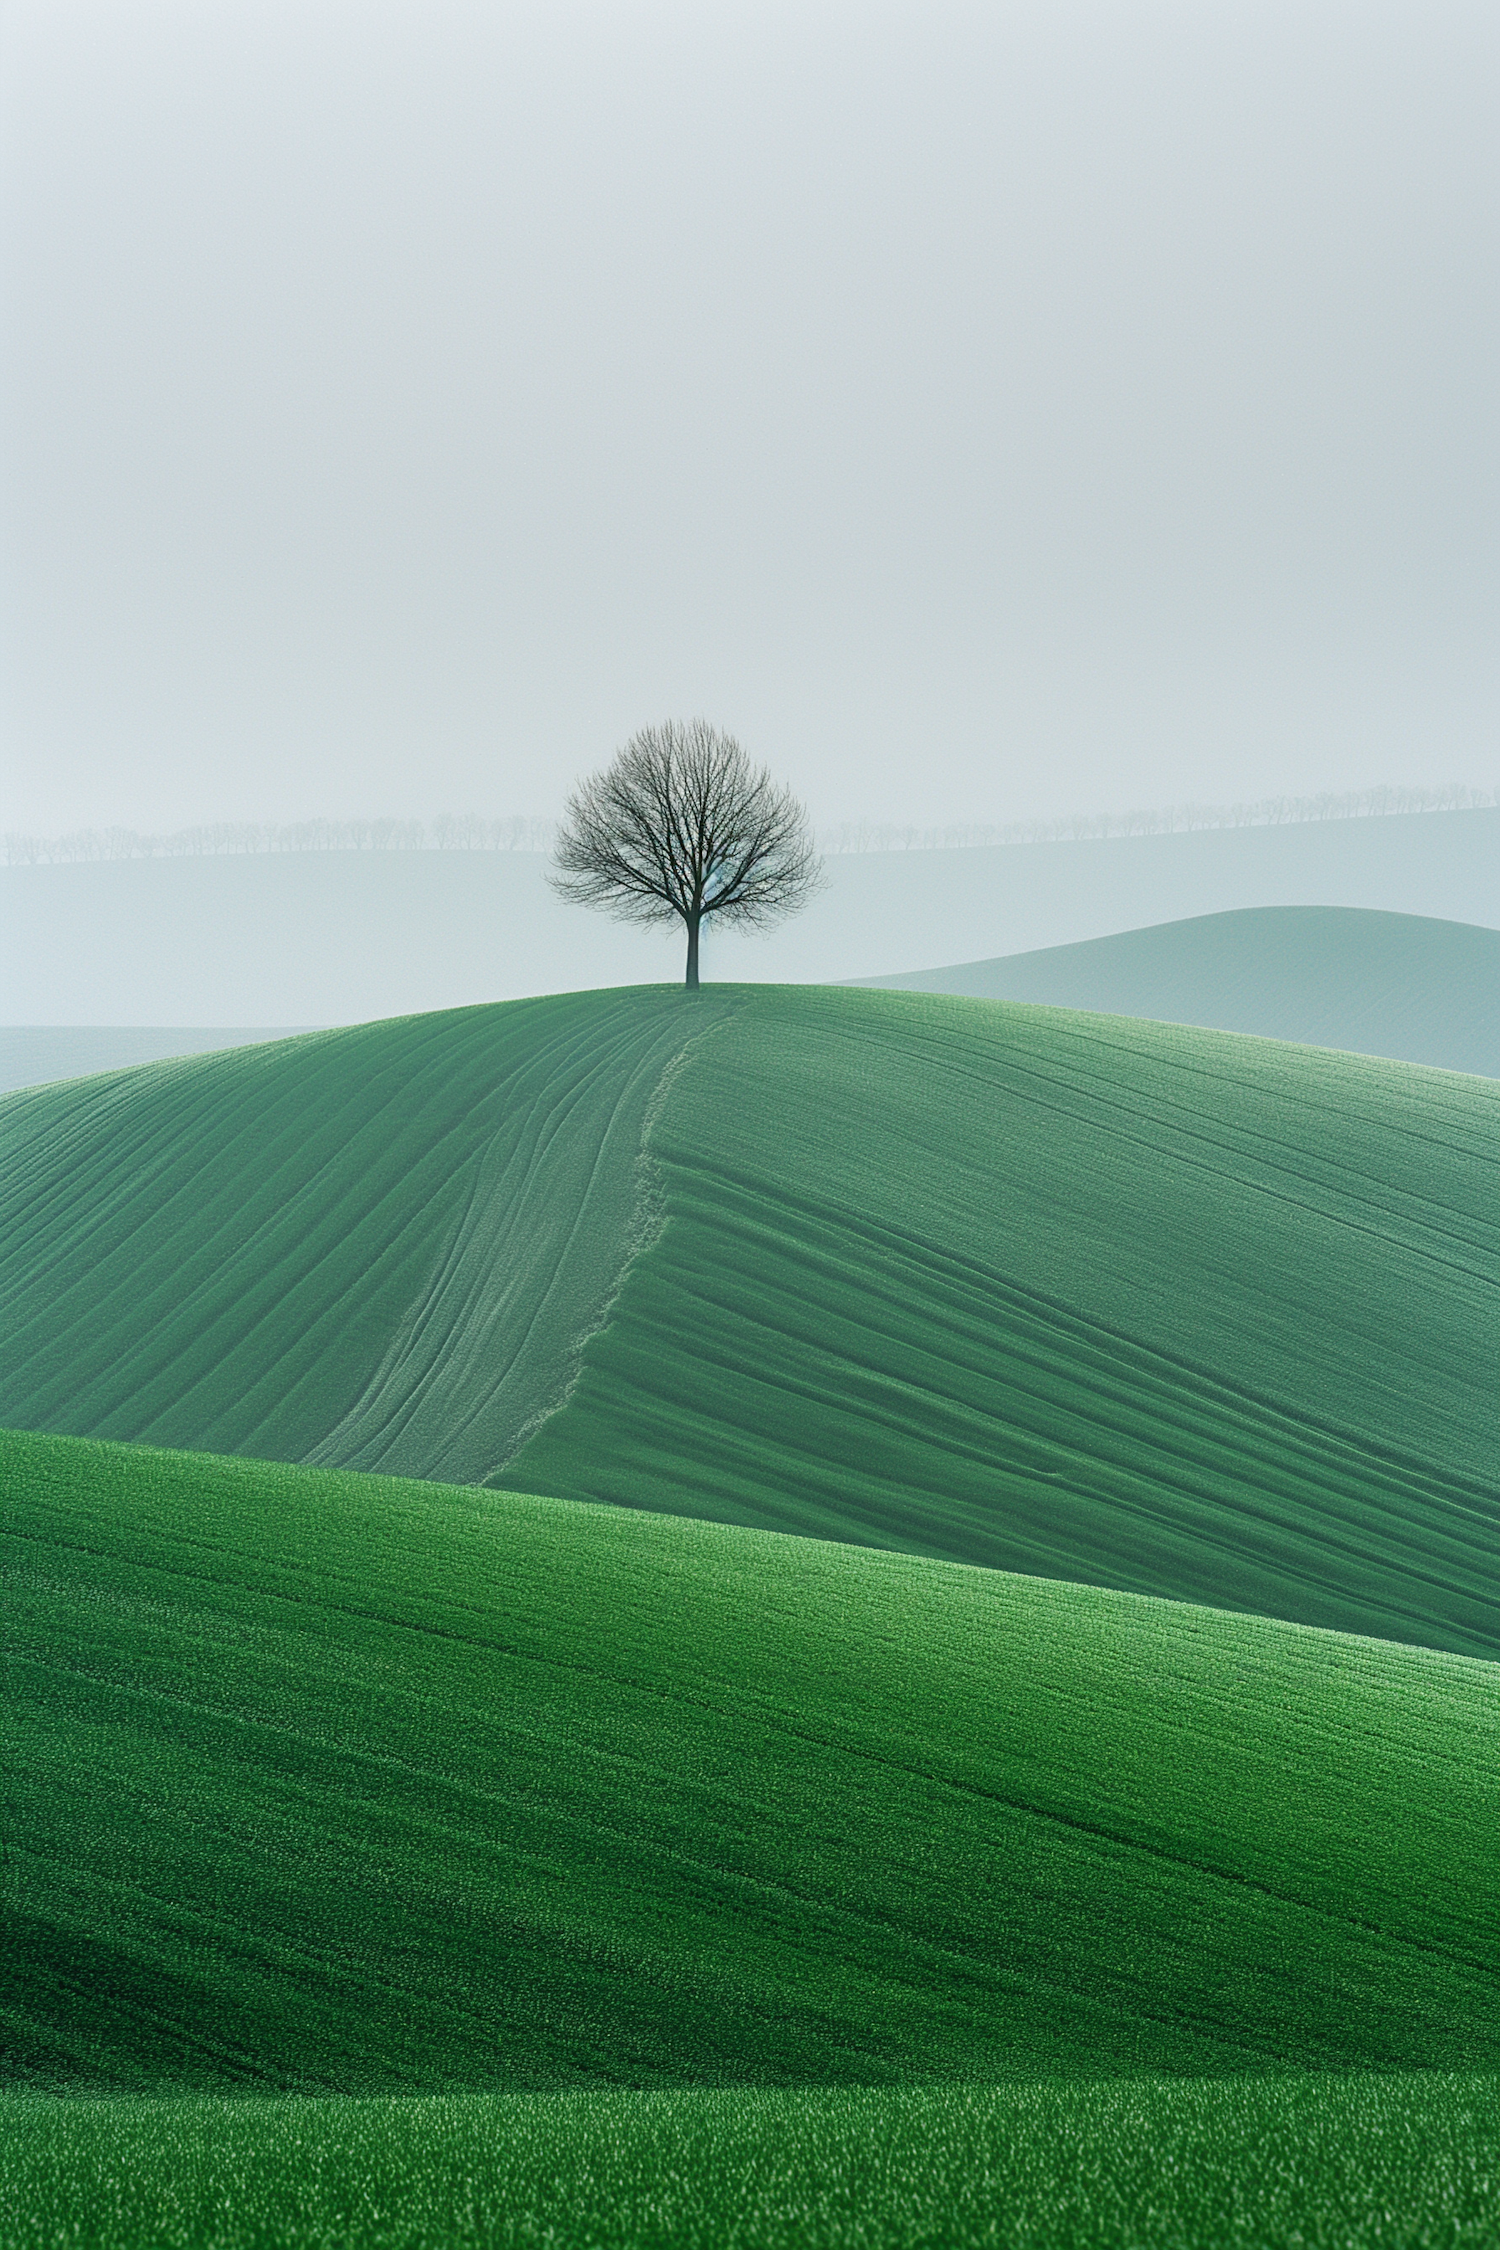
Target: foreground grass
[[319, 1782], [1323, 2163]]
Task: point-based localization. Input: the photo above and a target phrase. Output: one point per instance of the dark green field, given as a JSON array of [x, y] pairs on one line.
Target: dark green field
[[349, 1785], [1153, 1308]]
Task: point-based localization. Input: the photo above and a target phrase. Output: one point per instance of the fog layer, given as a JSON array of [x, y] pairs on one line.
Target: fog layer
[[984, 411], [322, 938]]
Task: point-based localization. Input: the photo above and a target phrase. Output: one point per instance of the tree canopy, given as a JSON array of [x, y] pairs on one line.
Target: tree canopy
[[682, 825]]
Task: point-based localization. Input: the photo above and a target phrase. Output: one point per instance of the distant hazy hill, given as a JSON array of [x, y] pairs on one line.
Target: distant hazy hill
[[1162, 1309], [337, 937], [38, 1056], [328, 1782], [1401, 985]]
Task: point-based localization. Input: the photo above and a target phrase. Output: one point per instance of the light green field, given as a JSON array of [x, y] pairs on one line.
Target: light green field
[[1402, 985], [1154, 1308], [328, 1783], [1327, 2163]]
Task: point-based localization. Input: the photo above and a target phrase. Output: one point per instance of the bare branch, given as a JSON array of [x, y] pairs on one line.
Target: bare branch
[[682, 825]]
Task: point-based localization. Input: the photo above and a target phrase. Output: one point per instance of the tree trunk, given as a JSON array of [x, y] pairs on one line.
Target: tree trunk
[[692, 961]]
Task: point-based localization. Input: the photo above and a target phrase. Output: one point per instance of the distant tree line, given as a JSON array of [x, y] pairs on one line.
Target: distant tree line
[[466, 832], [450, 832], [1161, 820]]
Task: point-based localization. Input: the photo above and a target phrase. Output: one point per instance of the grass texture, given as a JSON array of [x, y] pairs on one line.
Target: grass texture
[[1167, 1310], [1402, 985], [1324, 2163], [382, 1246], [1149, 1307], [327, 1783]]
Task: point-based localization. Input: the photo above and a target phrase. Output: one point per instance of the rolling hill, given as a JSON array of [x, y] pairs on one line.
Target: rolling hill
[[1150, 1308], [322, 1782], [1400, 985]]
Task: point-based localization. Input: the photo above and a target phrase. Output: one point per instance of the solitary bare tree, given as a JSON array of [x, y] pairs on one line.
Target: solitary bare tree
[[682, 824]]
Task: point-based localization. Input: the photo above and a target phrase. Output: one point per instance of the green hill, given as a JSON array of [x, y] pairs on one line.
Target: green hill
[[1154, 1308], [1401, 985], [381, 1245], [323, 1781]]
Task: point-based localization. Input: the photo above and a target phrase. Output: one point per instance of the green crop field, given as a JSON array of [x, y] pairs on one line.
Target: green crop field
[[1325, 2163], [1086, 1835], [384, 1241], [1166, 1310], [322, 1782], [1157, 1308], [397, 1864]]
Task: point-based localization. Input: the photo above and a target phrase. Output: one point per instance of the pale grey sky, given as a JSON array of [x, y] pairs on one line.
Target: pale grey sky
[[985, 411]]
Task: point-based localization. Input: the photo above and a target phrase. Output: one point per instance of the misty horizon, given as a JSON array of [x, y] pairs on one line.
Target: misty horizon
[[991, 413], [528, 833]]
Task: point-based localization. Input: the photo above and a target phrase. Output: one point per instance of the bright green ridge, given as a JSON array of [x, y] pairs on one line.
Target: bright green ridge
[[1149, 1307], [1167, 1310], [1404, 985], [1343, 2162], [325, 1782], [381, 1246]]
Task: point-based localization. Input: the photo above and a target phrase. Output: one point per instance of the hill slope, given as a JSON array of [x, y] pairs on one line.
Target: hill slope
[[1153, 1308], [1399, 985], [316, 1780], [383, 1243]]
